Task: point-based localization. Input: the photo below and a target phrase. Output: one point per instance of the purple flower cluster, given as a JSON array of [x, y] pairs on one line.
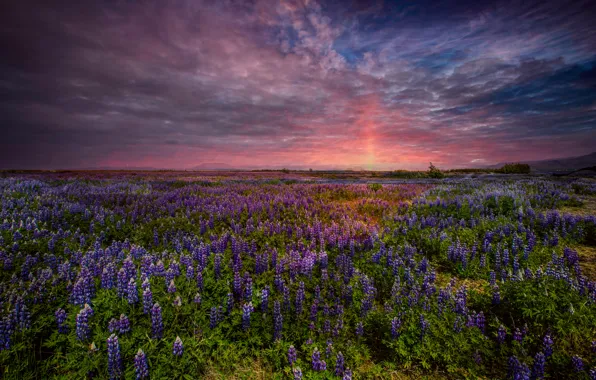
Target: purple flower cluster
[[156, 321], [114, 361], [141, 365], [317, 363], [61, 321], [177, 347], [82, 323]]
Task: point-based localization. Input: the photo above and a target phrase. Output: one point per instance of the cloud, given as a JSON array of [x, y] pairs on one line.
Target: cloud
[[268, 83]]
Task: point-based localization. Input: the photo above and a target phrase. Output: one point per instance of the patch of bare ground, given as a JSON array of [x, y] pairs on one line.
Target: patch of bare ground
[[477, 285], [588, 207], [587, 260]]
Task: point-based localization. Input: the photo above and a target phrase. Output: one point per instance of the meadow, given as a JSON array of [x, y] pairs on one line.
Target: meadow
[[223, 277]]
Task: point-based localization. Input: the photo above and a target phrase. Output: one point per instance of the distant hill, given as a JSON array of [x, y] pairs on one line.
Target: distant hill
[[212, 166], [567, 163]]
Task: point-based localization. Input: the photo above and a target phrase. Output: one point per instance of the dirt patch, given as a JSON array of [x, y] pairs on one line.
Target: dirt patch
[[587, 260], [587, 209]]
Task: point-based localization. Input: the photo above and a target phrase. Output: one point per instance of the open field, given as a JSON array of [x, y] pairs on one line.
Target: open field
[[270, 275]]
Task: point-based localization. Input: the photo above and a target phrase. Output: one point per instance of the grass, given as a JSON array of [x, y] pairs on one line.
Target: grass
[[586, 209]]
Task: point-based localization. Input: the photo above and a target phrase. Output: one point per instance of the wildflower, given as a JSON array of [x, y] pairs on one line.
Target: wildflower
[[339, 365], [547, 344], [60, 321], [501, 334], [291, 355], [124, 324], [178, 348], [156, 321], [578, 363], [141, 365], [114, 362], [247, 309], [538, 368], [317, 363]]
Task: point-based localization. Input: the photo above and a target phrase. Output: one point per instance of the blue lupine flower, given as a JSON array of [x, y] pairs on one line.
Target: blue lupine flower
[[339, 365], [247, 309], [114, 361], [538, 368], [317, 363], [60, 321], [547, 344], [291, 355], [156, 321], [578, 363], [141, 365], [177, 348]]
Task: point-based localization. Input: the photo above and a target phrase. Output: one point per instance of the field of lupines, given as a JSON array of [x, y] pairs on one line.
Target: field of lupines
[[159, 279]]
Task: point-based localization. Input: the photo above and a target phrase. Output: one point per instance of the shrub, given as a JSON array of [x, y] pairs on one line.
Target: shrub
[[434, 172], [516, 168]]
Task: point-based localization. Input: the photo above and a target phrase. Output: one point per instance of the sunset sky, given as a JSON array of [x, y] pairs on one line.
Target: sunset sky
[[298, 84]]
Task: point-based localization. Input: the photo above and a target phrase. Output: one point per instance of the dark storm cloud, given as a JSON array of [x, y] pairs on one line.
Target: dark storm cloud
[[379, 84]]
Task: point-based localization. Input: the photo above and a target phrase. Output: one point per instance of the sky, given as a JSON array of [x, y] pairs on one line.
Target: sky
[[377, 85]]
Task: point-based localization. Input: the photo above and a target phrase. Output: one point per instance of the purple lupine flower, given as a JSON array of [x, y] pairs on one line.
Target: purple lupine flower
[[197, 298], [199, 280], [113, 325], [82, 321], [291, 355], [496, 295], [147, 300], [60, 321], [518, 370], [277, 321], [156, 321], [493, 278], [480, 321], [593, 374], [237, 284], [477, 358], [177, 348], [538, 368], [177, 301], [297, 373], [317, 363], [213, 317], [299, 299], [359, 329], [230, 303], [141, 365], [265, 299], [547, 344], [247, 288], [594, 346], [132, 292], [578, 363], [424, 325], [114, 361], [329, 349], [6, 330], [395, 325], [339, 365], [517, 335], [347, 374], [124, 324], [247, 309], [501, 334], [172, 287]]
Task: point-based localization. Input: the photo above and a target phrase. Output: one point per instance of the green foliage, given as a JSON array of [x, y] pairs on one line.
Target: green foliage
[[515, 168], [434, 172]]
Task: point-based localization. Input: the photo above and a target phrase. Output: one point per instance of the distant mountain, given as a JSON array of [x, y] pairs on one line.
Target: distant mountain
[[212, 166], [566, 163]]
